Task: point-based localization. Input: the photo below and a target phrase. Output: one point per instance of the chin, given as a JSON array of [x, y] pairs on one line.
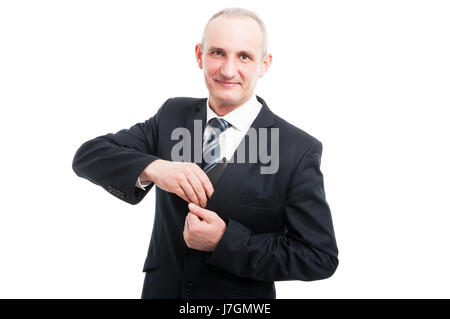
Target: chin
[[227, 95], [227, 99]]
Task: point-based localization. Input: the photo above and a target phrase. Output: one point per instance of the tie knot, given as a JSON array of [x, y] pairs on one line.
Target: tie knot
[[219, 124]]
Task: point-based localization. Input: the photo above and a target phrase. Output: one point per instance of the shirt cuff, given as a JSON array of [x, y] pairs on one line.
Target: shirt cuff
[[142, 185]]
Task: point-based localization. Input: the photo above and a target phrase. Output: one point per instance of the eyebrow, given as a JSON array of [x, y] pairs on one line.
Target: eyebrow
[[240, 52]]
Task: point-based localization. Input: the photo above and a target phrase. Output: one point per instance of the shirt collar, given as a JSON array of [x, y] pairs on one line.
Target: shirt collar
[[241, 117]]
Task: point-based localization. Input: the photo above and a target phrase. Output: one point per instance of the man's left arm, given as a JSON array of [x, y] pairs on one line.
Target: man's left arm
[[307, 250]]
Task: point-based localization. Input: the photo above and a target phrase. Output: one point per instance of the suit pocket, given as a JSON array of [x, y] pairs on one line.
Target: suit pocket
[[260, 201]]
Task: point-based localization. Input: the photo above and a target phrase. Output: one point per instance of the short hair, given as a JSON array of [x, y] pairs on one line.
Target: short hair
[[240, 13]]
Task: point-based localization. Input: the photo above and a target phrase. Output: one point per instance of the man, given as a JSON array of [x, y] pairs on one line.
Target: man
[[235, 238]]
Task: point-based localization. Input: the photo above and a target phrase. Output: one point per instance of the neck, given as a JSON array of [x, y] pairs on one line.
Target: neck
[[224, 108]]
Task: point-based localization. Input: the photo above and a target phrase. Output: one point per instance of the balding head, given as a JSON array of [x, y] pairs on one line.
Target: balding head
[[239, 13]]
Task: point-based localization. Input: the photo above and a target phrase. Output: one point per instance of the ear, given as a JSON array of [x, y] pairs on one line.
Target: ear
[[265, 65], [199, 55]]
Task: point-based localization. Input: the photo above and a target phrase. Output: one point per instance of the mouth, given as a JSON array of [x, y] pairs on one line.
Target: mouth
[[228, 84]]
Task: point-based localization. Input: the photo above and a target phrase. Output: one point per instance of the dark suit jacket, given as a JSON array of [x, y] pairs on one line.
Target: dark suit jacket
[[279, 226]]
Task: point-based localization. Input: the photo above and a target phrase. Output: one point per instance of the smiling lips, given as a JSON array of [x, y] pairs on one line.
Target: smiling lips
[[227, 83]]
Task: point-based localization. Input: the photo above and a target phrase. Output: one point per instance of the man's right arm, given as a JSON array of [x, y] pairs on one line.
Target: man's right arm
[[119, 162], [115, 161]]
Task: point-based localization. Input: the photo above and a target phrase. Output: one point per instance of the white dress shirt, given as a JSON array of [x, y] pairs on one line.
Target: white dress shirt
[[240, 119]]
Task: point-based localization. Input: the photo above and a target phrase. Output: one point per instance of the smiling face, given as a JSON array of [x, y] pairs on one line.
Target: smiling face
[[232, 60]]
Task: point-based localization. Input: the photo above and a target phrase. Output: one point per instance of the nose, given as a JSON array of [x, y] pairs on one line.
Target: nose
[[228, 68]]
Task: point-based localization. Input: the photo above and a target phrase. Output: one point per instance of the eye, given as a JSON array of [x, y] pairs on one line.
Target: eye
[[217, 52], [245, 57]]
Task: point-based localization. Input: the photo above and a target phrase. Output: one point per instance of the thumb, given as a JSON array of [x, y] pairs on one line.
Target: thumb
[[200, 212]]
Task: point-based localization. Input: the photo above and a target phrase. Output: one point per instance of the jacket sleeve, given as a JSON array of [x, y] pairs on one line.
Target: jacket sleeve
[[115, 161], [307, 249]]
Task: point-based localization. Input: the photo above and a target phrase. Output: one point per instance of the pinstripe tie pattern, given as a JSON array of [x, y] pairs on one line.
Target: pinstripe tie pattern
[[211, 151]]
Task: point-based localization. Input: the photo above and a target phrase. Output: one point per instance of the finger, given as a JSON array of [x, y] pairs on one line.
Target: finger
[[205, 214], [198, 188], [186, 229], [187, 188], [186, 223], [207, 185], [180, 192], [188, 220], [193, 221]]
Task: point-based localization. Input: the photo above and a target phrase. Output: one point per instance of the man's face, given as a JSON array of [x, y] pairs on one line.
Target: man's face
[[232, 59]]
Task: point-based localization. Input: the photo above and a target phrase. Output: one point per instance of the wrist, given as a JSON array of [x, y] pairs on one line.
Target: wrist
[[149, 173]]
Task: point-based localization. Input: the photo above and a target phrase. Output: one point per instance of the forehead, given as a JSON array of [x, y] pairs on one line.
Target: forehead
[[234, 33]]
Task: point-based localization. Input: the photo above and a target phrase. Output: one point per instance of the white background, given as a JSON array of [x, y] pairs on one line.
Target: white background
[[369, 79]]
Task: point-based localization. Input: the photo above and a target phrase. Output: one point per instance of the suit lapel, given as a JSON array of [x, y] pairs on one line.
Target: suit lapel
[[198, 113], [235, 173]]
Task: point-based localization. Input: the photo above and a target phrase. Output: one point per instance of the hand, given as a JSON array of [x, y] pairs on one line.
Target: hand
[[186, 180], [203, 234]]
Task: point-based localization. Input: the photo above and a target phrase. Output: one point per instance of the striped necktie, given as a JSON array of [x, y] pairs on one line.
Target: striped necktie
[[211, 151]]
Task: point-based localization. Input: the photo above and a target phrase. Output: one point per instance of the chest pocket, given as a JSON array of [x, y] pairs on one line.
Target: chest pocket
[[262, 214]]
